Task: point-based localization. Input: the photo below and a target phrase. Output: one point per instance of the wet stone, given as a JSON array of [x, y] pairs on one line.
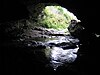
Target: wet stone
[[62, 51], [56, 46]]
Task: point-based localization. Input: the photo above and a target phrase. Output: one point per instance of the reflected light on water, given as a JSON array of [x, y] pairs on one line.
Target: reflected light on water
[[60, 56]]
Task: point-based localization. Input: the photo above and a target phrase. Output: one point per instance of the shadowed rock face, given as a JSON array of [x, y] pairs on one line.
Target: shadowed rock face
[[25, 57], [52, 47], [12, 10], [49, 47]]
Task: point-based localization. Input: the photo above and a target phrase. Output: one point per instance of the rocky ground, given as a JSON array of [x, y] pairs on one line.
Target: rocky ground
[[23, 34]]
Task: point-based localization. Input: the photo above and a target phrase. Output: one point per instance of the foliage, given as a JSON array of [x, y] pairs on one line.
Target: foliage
[[55, 17]]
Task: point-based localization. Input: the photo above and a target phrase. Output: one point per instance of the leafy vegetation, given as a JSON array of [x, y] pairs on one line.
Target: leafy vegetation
[[55, 17]]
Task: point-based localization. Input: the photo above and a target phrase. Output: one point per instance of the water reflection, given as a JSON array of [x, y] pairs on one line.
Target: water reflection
[[62, 50]]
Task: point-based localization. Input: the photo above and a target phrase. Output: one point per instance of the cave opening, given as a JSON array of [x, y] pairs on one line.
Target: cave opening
[[20, 55]]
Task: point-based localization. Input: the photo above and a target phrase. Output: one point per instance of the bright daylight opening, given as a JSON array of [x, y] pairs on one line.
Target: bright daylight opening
[[56, 17]]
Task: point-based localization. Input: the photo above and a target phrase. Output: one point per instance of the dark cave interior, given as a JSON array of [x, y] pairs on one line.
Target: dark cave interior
[[86, 11], [86, 64]]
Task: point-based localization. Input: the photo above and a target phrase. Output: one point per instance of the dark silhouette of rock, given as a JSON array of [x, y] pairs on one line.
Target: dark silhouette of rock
[[19, 60]]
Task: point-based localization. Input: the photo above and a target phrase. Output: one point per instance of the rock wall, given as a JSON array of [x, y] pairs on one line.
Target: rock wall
[[20, 60]]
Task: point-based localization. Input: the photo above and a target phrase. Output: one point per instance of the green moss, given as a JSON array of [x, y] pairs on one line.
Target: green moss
[[55, 17]]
